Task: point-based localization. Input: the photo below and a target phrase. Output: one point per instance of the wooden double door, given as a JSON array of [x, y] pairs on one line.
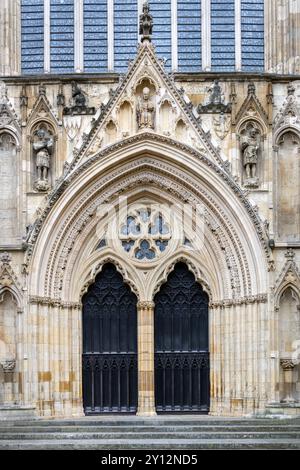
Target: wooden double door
[[110, 355]]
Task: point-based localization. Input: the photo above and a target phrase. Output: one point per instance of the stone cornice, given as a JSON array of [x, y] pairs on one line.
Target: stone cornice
[[115, 77]]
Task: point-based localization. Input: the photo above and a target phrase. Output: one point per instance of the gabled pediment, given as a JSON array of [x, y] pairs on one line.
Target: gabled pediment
[[42, 109], [8, 278], [8, 116], [166, 111], [288, 115], [252, 109], [288, 277]]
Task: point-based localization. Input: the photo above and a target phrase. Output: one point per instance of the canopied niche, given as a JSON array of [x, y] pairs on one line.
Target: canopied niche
[[165, 118], [8, 185], [111, 133], [126, 118], [43, 152], [181, 130], [289, 339], [288, 187], [9, 392], [145, 107], [250, 138]]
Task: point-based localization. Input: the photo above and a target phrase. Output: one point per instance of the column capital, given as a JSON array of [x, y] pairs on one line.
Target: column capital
[[145, 305]]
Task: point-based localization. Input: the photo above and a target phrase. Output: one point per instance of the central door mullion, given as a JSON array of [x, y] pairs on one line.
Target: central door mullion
[[146, 397]]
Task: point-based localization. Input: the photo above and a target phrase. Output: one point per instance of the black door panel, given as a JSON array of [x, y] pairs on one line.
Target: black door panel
[[109, 361], [181, 344]]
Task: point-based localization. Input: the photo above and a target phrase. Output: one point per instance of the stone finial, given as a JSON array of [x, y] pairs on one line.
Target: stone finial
[[23, 98], [251, 89], [42, 90], [5, 258], [291, 89], [146, 23], [3, 93], [290, 254]]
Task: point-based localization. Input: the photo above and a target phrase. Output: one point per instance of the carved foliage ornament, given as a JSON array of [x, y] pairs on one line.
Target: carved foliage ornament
[[8, 365]]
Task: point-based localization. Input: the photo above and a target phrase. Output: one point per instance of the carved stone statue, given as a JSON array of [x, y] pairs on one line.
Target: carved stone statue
[[43, 147], [215, 103], [78, 96], [216, 94], [250, 148], [146, 23], [145, 111], [78, 105]]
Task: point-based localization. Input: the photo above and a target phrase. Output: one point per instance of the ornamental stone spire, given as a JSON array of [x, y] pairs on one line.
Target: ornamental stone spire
[[146, 23]]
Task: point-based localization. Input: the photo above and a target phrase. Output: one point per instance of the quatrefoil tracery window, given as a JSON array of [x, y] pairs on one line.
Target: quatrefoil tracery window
[[145, 234]]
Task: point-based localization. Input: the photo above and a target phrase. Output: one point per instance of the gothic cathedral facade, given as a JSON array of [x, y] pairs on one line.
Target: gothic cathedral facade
[[149, 207]]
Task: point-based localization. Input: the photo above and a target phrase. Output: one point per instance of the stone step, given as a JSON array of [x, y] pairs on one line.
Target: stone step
[[135, 421], [152, 444], [147, 435], [153, 429]]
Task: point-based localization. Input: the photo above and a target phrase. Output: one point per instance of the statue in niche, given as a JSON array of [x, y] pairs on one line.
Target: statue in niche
[[145, 110], [43, 148], [250, 149]]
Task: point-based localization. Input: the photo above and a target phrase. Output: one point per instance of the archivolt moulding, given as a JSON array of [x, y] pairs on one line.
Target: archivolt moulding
[[221, 237]]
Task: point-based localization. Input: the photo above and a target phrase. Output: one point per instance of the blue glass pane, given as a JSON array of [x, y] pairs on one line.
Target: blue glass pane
[[125, 33], [62, 36], [161, 12], [95, 35], [32, 27], [252, 35], [223, 35], [144, 251], [189, 35]]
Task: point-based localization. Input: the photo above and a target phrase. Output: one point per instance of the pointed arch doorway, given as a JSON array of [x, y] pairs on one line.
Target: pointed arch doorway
[[109, 360], [181, 344]]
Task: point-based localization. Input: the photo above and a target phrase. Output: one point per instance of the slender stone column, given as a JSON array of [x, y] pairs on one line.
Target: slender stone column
[[282, 36], [10, 37], [146, 398]]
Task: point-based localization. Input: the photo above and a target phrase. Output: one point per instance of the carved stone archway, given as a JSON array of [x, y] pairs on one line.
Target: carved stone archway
[[64, 259]]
